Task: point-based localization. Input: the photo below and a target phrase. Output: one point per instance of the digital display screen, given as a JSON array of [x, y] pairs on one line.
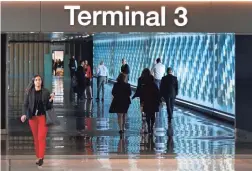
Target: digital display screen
[[203, 62]]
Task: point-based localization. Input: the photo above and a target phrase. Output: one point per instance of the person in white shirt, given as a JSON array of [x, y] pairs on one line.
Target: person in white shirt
[[102, 77], [158, 71]]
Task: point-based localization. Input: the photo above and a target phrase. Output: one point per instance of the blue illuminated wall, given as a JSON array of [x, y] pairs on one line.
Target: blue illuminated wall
[[204, 63]]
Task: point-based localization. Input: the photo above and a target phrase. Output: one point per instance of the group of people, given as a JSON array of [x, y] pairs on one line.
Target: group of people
[[102, 76], [81, 77], [153, 88], [57, 63]]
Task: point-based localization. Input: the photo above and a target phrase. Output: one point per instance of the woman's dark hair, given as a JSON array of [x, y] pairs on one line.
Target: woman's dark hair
[[121, 78], [146, 72], [146, 75]]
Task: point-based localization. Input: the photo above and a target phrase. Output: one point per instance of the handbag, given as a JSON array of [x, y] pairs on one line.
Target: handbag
[[51, 118], [74, 81]]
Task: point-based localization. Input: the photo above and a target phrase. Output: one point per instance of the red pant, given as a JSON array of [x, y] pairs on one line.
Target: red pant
[[39, 131]]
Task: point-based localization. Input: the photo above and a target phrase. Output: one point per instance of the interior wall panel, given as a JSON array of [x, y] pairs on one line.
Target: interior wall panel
[[41, 59], [16, 68], [36, 58], [46, 48], [21, 76], [26, 63], [11, 67], [31, 59]]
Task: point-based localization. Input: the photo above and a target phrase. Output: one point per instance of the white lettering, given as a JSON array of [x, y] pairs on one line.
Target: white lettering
[[112, 16], [155, 18], [183, 16], [134, 14], [95, 15], [163, 16], [86, 17], [71, 8], [127, 17]]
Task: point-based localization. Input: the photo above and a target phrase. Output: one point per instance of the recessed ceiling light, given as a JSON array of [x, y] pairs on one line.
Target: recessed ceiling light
[[31, 32]]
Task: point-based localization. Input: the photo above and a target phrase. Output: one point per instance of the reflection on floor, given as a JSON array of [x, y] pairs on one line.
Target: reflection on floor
[[224, 164], [88, 129]]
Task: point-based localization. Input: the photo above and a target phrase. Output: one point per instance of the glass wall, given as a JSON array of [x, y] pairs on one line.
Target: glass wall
[[204, 63]]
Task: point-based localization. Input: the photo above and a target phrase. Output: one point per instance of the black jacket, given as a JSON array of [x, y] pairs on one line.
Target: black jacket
[[80, 74], [29, 101], [169, 86], [150, 97], [140, 83], [72, 63], [121, 101], [125, 69]]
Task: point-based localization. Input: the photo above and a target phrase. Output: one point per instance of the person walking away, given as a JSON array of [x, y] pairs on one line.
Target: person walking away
[[55, 67], [158, 71], [37, 100], [140, 83], [72, 66], [88, 89], [150, 99], [121, 100], [81, 80], [125, 69], [169, 91], [102, 78]]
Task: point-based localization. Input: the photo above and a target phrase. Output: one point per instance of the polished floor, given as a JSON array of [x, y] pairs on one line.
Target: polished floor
[[88, 136]]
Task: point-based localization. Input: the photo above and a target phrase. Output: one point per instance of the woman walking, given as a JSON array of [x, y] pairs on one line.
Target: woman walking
[[88, 76], [121, 100], [37, 101], [149, 95]]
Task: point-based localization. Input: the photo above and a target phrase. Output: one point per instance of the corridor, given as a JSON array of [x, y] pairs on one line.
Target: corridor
[[88, 131]]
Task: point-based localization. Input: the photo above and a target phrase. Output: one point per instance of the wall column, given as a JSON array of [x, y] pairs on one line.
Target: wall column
[[243, 85]]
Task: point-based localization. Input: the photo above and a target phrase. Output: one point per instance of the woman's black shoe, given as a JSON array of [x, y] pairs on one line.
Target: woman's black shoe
[[40, 162]]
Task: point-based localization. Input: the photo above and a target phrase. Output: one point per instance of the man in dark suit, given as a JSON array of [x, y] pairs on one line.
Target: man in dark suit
[[125, 68], [80, 74], [169, 91]]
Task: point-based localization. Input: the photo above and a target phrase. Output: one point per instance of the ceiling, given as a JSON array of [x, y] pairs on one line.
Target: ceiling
[[54, 36]]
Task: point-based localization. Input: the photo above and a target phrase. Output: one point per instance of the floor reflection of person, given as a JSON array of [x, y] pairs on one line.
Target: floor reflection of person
[[150, 99], [121, 145], [170, 143], [121, 100], [88, 107], [80, 118], [37, 101]]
